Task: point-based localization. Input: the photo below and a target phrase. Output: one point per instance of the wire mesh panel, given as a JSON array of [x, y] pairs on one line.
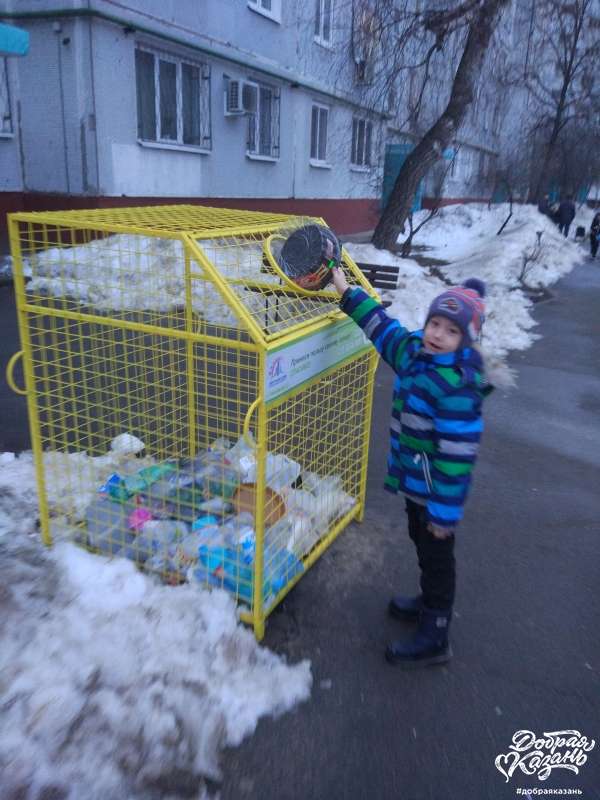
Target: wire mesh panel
[[191, 408], [323, 432]]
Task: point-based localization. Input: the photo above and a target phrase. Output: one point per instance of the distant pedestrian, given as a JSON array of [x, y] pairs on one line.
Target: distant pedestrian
[[434, 438], [566, 214], [595, 234], [544, 206]]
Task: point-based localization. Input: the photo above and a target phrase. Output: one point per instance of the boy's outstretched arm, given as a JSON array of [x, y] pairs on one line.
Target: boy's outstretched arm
[[388, 336]]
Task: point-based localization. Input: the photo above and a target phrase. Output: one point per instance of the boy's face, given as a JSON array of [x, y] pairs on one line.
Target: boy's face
[[441, 335]]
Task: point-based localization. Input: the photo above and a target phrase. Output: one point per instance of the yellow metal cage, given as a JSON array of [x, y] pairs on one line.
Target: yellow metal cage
[[190, 407]]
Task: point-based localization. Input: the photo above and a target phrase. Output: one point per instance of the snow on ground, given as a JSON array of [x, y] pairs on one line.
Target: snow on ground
[[115, 686], [465, 237]]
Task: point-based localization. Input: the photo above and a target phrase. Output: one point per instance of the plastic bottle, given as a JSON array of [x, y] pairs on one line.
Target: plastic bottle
[[114, 486], [218, 479], [107, 525], [216, 505], [187, 551], [280, 566], [204, 521], [176, 494], [239, 534], [155, 472], [157, 537]]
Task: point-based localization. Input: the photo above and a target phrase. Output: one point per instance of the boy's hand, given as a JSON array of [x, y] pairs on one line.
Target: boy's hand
[[438, 532], [339, 280]]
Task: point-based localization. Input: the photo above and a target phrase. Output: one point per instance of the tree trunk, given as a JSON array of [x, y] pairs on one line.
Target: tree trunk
[[442, 133]]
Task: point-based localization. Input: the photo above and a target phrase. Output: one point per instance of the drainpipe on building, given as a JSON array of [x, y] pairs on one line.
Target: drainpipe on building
[[294, 101], [93, 121], [57, 28]]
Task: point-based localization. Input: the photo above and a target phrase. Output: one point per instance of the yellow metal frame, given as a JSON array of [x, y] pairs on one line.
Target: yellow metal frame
[[189, 225]]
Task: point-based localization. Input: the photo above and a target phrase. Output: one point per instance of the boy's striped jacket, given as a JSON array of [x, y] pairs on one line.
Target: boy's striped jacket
[[436, 413]]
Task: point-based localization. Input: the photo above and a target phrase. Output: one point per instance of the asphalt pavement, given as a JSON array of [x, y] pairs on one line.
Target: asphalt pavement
[[526, 632]]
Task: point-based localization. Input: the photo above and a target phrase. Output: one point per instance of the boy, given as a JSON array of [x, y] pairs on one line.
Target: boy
[[435, 430]]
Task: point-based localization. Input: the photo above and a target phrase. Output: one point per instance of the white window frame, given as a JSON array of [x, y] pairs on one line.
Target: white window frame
[[316, 160], [273, 13], [6, 109], [319, 24], [204, 100], [253, 130], [363, 160]]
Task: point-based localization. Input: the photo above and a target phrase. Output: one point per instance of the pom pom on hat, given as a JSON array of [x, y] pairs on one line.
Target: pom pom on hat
[[475, 284]]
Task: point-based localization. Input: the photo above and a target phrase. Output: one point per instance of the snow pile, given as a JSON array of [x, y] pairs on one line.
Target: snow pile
[[115, 686], [125, 272], [466, 237]]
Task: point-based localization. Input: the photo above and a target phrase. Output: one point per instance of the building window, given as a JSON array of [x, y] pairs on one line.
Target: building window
[[268, 8], [173, 99], [5, 116], [263, 120], [323, 21], [362, 134], [318, 133]]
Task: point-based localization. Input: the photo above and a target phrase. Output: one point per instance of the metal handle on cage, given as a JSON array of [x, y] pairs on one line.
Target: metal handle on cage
[[247, 418], [277, 269], [9, 372]]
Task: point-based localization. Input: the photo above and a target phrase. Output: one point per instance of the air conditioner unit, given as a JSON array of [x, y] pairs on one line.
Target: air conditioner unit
[[240, 98]]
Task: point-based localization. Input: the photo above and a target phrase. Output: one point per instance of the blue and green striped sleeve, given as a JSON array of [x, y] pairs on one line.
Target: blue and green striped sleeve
[[458, 425], [387, 334]]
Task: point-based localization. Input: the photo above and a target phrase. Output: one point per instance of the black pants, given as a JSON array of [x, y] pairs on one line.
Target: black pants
[[563, 227], [436, 560], [594, 244]]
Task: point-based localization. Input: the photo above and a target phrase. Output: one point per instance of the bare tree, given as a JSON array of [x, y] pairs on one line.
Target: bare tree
[[530, 258], [577, 158], [473, 21], [562, 77]]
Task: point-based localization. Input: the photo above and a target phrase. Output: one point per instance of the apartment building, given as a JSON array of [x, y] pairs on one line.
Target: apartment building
[[243, 103]]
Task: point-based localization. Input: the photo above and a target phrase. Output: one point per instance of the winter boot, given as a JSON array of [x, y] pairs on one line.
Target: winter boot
[[428, 646], [406, 608]]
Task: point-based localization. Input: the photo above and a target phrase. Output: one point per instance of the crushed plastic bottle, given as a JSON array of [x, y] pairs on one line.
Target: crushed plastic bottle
[[176, 494], [239, 534], [122, 487], [108, 530], [155, 472], [186, 553], [281, 471], [221, 445], [225, 566], [204, 521], [216, 505], [295, 532], [242, 456], [280, 567], [157, 538], [218, 480], [115, 487]]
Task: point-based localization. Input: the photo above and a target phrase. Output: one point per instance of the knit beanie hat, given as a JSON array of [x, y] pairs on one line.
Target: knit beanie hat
[[464, 306]]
